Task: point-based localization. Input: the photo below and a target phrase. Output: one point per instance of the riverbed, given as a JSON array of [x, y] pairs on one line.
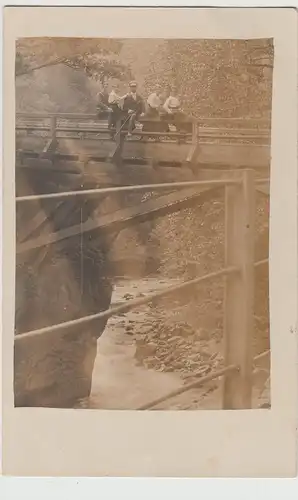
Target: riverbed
[[120, 379]]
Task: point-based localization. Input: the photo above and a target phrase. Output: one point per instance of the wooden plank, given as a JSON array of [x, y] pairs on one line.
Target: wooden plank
[[98, 130], [107, 174], [228, 131], [103, 115], [215, 133], [235, 155], [161, 151], [143, 212], [103, 148], [235, 121], [34, 144], [248, 137], [43, 164], [239, 292], [63, 116]]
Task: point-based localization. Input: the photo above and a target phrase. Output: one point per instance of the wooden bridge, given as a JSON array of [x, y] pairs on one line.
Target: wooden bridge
[[187, 164], [82, 146], [80, 140]]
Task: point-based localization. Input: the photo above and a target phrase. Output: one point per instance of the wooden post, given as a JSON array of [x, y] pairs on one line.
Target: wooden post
[[195, 147], [195, 132], [239, 291], [52, 142], [53, 127], [119, 138]]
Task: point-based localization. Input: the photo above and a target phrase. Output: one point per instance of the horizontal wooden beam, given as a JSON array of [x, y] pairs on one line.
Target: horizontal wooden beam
[[63, 116], [233, 154], [205, 133], [143, 212], [103, 174], [102, 115], [33, 160], [44, 164], [101, 150], [97, 130]]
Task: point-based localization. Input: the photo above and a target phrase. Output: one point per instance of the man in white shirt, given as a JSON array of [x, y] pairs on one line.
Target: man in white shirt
[[172, 105], [115, 102], [102, 96], [171, 110], [115, 98], [154, 102]]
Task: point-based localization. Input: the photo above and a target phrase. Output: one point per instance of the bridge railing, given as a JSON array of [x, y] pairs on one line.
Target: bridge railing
[[217, 128], [102, 115], [238, 274]]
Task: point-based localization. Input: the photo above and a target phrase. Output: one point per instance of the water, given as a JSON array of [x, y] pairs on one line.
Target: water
[[120, 382]]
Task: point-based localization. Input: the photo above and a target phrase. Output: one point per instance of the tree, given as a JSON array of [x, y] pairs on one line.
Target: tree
[[98, 58], [218, 78]]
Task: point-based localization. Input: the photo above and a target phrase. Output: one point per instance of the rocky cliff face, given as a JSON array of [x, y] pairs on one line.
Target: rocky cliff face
[[55, 284], [56, 89]]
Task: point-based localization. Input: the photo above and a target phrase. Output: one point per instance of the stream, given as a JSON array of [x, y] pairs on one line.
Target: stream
[[121, 382]]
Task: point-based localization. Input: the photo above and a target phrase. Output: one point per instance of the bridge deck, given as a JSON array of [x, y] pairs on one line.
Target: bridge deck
[[88, 136], [236, 155]]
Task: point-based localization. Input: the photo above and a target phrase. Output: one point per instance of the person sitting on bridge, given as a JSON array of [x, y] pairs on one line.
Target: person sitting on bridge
[[115, 102], [172, 111], [103, 105], [154, 103], [172, 105], [133, 106], [103, 99]]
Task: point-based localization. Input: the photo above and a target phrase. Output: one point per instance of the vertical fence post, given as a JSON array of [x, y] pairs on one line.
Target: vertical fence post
[[195, 145], [239, 291], [119, 138], [195, 132], [53, 127]]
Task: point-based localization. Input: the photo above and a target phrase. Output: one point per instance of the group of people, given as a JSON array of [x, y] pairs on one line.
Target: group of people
[[132, 106]]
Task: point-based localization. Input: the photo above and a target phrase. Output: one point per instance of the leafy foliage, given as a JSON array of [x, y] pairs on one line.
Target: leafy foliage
[[97, 57], [217, 77], [99, 68]]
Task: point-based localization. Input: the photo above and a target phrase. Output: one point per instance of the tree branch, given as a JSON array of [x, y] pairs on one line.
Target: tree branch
[[60, 60]]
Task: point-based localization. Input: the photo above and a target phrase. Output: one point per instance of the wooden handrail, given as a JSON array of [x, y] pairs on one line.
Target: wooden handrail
[[103, 115]]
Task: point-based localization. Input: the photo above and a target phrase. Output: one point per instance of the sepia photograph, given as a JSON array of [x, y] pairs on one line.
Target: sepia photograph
[[142, 223], [150, 242]]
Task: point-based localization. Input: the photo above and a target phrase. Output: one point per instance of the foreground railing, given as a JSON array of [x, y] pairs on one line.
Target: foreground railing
[[238, 273]]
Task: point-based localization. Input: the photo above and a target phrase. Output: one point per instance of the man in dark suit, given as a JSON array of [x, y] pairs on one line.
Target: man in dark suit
[[103, 98], [133, 106], [103, 105]]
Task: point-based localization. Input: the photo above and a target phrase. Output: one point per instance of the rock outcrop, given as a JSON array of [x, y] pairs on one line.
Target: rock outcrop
[[54, 284]]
